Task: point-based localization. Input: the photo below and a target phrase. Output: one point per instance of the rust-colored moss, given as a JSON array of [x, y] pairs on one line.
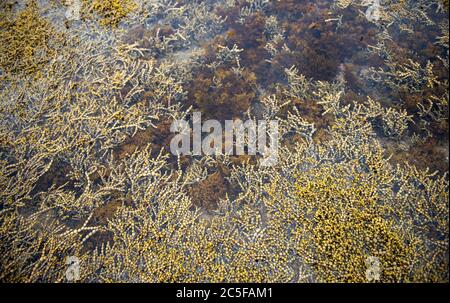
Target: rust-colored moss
[[206, 193], [223, 94]]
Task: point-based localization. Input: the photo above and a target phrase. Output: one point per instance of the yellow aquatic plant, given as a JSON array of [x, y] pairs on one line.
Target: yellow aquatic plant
[[112, 11], [25, 40]]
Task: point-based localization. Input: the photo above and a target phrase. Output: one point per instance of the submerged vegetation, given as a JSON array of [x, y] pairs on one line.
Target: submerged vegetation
[[26, 41], [88, 90], [111, 11]]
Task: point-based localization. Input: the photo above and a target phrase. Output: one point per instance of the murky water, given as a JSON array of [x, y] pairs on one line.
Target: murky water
[[150, 62]]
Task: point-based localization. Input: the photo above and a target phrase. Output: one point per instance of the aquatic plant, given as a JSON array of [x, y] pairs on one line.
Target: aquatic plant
[[111, 12], [85, 115], [26, 41]]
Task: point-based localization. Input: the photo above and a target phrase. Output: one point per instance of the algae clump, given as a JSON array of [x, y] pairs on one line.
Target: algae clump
[[25, 41], [112, 11]]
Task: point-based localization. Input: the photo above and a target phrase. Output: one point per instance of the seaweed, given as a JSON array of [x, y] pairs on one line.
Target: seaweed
[[359, 192]]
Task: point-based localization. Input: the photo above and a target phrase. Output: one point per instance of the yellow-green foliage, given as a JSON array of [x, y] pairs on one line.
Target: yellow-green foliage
[[34, 253], [25, 40], [338, 216], [78, 177], [111, 11], [345, 222]]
